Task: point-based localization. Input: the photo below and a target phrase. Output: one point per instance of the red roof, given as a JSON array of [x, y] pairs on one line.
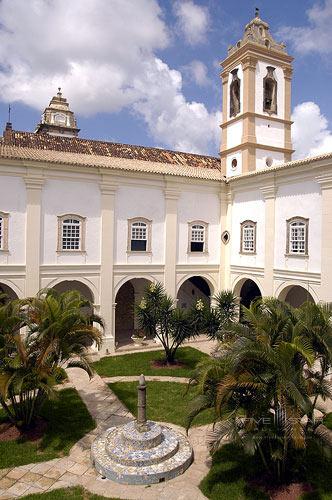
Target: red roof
[[44, 141]]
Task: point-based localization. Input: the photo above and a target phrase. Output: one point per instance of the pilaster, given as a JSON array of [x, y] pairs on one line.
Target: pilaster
[[269, 193], [226, 200], [107, 299], [34, 182], [171, 238], [325, 182]]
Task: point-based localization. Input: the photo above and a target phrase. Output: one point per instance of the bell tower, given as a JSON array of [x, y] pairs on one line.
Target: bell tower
[[58, 119], [256, 80]]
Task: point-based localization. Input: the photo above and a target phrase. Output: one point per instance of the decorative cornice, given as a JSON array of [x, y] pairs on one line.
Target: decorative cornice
[[325, 181], [34, 182], [251, 114], [249, 144], [171, 194], [269, 191]]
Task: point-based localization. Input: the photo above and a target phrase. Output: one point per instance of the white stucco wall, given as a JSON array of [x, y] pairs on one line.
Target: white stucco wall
[[230, 171], [248, 206], [263, 154], [148, 203], [269, 132], [13, 201], [279, 75], [301, 199], [240, 75], [70, 197], [234, 134], [195, 205]]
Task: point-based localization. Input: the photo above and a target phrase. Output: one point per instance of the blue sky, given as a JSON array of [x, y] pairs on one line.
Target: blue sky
[[146, 71]]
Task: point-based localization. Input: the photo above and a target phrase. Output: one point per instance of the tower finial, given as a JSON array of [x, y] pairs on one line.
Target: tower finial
[[9, 111], [59, 92], [257, 12]]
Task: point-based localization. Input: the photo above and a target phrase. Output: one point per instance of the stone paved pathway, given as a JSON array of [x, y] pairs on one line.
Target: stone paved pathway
[[76, 469]]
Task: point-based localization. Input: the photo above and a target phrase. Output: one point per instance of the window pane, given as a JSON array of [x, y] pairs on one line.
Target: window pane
[[248, 238], [196, 246], [138, 246], [71, 234], [139, 231], [297, 237]]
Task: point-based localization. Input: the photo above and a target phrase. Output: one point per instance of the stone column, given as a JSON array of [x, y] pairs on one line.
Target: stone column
[[141, 404], [108, 192], [325, 182], [269, 194], [171, 239], [34, 185]]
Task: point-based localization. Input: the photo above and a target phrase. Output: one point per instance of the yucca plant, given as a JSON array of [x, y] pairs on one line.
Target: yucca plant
[[58, 331], [159, 317]]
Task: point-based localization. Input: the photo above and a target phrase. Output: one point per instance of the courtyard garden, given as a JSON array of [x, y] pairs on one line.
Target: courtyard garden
[[265, 389]]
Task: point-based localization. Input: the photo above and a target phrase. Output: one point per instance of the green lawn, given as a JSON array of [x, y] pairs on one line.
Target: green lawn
[[75, 493], [140, 362], [166, 401], [69, 420], [232, 473]]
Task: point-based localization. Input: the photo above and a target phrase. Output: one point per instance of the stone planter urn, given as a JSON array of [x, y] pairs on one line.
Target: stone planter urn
[[138, 338]]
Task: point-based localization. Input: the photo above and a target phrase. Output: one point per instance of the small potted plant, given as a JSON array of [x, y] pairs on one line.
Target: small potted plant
[[138, 337]]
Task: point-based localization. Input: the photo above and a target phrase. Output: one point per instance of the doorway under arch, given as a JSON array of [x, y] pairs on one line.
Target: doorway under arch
[[129, 293], [193, 289], [249, 292], [296, 295], [7, 292]]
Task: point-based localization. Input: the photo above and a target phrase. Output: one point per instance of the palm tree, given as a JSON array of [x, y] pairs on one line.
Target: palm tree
[[59, 329], [261, 385]]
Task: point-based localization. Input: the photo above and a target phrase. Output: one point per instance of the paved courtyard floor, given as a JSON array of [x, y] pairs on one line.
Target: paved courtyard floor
[[76, 469]]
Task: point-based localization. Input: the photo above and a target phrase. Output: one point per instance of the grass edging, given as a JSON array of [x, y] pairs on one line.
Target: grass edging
[[68, 421]]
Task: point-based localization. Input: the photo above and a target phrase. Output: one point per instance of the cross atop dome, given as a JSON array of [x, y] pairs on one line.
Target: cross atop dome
[[258, 32], [58, 119]]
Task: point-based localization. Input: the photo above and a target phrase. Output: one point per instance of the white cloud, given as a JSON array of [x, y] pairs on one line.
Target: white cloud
[[317, 37], [102, 53], [193, 20], [310, 132], [198, 71]]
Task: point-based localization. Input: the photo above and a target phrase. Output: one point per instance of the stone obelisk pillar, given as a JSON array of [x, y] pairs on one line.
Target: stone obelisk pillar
[[141, 404]]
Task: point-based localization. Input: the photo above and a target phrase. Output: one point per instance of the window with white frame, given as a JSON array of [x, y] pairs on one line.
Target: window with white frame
[[71, 233], [139, 235], [197, 236], [297, 236], [248, 237], [3, 231]]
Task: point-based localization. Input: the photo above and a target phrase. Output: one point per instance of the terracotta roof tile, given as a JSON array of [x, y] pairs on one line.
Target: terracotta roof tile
[[43, 141]]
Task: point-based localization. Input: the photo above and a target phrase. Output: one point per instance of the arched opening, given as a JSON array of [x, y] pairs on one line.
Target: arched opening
[[191, 290], [249, 292], [296, 295], [131, 292], [7, 293], [68, 285]]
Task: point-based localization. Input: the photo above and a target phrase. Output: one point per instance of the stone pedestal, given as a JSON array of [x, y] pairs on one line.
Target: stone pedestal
[[128, 456]]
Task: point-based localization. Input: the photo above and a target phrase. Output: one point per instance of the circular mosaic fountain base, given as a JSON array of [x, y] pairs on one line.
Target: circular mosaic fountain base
[[128, 456]]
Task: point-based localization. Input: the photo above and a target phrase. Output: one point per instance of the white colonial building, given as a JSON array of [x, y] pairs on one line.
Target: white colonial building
[[108, 218]]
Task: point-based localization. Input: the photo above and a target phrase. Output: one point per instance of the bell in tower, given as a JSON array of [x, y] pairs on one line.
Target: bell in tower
[[58, 119]]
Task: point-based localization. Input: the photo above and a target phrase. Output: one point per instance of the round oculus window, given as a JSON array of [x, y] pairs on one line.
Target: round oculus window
[[234, 164], [269, 161]]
